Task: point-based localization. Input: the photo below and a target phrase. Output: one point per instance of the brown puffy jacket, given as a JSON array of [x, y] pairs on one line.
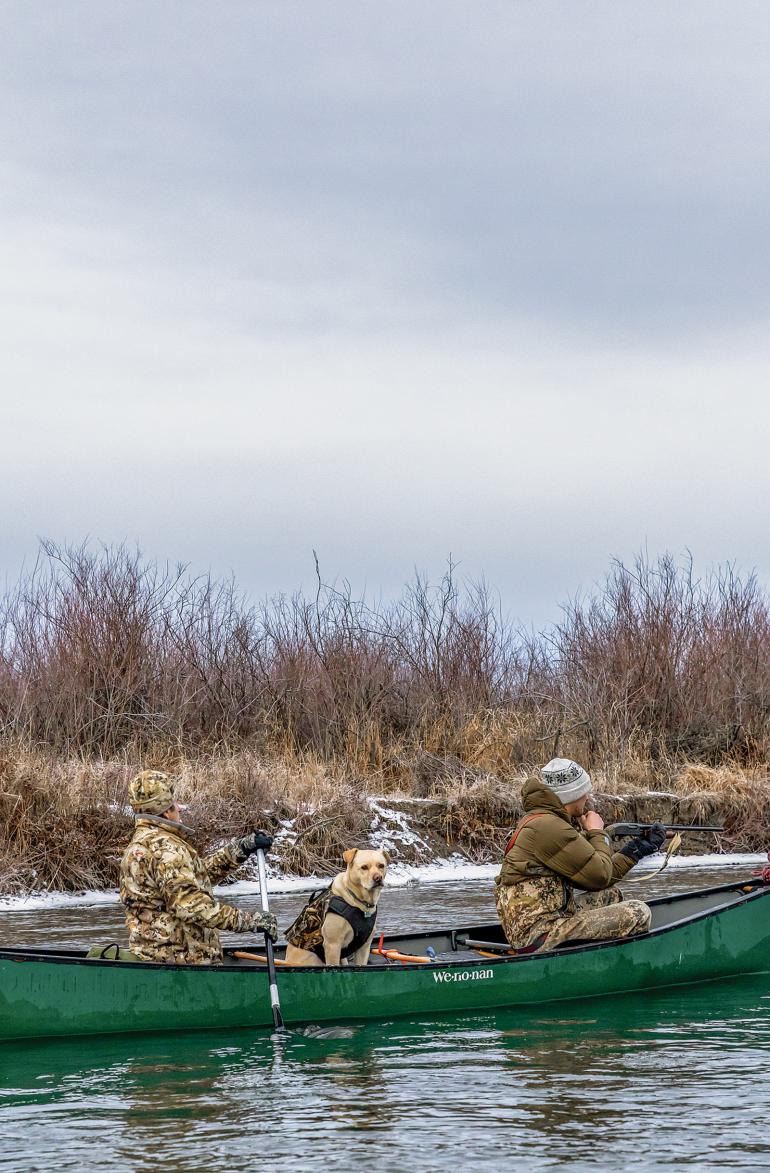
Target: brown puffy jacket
[[550, 842]]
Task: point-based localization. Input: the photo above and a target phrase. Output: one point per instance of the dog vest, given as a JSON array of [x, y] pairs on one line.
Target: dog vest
[[306, 931]]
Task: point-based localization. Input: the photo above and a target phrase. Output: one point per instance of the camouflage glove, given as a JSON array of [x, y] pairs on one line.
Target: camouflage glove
[[256, 841], [266, 923], [645, 845]]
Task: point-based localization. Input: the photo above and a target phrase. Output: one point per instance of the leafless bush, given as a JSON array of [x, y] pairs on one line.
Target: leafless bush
[[103, 653], [660, 658]]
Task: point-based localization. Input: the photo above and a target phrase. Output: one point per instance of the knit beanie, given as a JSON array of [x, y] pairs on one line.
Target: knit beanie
[[566, 779]]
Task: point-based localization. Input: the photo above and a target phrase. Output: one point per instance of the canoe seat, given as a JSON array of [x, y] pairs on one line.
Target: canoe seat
[[111, 952]]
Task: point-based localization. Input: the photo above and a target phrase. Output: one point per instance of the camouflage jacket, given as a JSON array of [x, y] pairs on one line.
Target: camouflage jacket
[[166, 888]]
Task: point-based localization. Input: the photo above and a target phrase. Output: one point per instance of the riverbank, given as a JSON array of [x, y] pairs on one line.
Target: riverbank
[[64, 824]]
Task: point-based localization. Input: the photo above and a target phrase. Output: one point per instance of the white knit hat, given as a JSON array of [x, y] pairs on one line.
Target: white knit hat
[[566, 779]]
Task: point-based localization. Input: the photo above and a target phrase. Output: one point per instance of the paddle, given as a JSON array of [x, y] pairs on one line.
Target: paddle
[[275, 1001], [281, 1031]]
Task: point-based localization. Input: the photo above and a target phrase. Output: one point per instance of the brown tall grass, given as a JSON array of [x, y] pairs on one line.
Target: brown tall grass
[[64, 824], [108, 658]]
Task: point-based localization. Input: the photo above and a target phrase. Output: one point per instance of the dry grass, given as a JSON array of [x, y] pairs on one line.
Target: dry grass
[[64, 824], [302, 705], [738, 797], [478, 815], [322, 832]]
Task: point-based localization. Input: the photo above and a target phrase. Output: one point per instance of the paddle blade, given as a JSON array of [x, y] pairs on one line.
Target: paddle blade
[[327, 1032]]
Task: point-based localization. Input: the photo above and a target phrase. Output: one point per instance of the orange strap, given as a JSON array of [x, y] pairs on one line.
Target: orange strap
[[521, 826], [394, 955], [244, 956]]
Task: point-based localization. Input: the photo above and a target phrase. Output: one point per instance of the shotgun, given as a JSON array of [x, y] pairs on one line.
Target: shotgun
[[619, 830]]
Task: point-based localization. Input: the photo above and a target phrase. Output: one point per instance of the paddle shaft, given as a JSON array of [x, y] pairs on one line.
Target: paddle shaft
[[275, 1001]]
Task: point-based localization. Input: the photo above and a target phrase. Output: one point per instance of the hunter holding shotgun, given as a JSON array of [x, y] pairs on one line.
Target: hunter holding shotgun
[[559, 846]]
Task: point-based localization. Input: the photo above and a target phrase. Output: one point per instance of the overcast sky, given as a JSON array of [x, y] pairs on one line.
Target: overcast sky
[[388, 281]]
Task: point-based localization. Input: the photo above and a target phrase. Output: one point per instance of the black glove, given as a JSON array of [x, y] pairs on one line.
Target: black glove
[[256, 841], [656, 835], [266, 923], [644, 845]]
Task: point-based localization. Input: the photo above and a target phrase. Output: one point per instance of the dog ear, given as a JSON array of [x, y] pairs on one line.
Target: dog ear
[[349, 855], [386, 853]]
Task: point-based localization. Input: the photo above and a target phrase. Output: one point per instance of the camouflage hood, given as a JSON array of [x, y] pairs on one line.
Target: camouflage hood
[[151, 792]]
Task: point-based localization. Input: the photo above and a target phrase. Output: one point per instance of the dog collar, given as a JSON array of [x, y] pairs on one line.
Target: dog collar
[[358, 899]]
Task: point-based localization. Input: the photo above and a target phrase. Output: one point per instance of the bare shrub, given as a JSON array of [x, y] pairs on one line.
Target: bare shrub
[[104, 654], [683, 664], [82, 650]]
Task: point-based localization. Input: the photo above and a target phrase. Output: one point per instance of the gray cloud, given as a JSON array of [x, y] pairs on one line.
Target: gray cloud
[[387, 281], [601, 165]]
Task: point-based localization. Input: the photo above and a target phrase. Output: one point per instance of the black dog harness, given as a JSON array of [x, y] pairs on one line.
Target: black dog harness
[[306, 931]]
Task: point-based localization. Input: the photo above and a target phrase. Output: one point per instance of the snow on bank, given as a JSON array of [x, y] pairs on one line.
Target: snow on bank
[[440, 871]]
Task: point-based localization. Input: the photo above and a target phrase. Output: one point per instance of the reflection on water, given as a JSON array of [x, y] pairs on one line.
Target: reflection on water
[[665, 1079], [661, 1080]]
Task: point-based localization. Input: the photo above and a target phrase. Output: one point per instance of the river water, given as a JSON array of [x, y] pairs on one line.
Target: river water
[[656, 1081]]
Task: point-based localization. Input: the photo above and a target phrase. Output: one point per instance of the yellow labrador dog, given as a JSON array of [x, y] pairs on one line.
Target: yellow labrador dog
[[336, 926]]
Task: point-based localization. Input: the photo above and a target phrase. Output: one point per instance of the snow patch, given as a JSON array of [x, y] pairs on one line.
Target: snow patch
[[390, 830], [440, 871]]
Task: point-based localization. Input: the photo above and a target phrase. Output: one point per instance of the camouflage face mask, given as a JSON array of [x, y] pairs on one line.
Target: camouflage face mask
[[151, 792]]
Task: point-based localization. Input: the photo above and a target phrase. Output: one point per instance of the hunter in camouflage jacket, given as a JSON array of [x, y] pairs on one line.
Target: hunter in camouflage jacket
[[166, 888]]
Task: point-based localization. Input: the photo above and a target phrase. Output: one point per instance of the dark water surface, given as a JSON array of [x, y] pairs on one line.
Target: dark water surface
[[665, 1080]]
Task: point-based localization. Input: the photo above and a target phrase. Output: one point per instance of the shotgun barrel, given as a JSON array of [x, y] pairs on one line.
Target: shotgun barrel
[[619, 830]]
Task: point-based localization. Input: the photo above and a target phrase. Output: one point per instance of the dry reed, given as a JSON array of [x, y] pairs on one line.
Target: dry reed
[[106, 657]]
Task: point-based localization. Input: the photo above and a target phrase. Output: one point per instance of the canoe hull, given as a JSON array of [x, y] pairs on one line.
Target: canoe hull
[[44, 996]]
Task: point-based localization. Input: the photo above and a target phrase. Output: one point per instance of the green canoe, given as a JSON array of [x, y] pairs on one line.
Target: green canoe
[[699, 936]]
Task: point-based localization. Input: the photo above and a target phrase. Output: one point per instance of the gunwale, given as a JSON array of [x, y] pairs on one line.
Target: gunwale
[[758, 890]]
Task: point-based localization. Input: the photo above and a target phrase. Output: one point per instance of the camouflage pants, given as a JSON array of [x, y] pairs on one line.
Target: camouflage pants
[[545, 906]]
